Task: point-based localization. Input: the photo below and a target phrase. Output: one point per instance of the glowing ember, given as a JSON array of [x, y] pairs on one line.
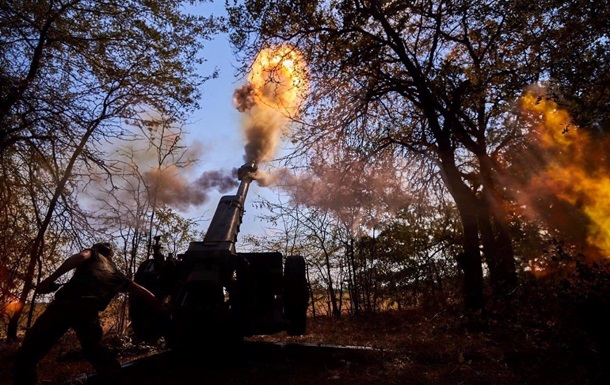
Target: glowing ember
[[576, 171], [13, 307], [537, 270], [277, 84]]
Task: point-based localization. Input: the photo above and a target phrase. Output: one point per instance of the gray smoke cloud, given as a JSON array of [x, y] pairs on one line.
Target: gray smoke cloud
[[170, 188], [216, 179], [243, 98], [262, 125]]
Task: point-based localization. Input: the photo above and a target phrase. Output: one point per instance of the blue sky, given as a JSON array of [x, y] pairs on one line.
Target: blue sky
[[216, 125]]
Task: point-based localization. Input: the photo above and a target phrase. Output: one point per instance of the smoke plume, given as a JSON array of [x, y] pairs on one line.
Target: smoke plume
[[357, 193], [169, 187], [270, 100]]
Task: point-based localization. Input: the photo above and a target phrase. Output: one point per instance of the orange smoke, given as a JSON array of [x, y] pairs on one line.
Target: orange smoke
[[276, 85], [576, 168]]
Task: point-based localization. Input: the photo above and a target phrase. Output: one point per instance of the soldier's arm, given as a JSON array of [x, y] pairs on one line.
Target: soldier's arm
[[145, 295], [69, 264]]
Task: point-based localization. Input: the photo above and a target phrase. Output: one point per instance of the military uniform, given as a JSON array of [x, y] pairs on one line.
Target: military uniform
[[76, 305]]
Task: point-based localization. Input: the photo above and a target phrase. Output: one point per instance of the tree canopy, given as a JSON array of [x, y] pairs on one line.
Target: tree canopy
[[75, 75], [438, 81]]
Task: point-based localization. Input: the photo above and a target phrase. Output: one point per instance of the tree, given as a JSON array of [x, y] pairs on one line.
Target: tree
[[308, 231], [429, 77], [417, 252], [72, 72], [579, 63], [176, 231]]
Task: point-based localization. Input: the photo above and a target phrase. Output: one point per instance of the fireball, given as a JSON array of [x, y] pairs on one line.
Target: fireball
[[278, 78], [276, 86], [575, 170]]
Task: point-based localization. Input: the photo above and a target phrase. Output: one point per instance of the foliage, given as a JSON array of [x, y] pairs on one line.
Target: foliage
[[72, 74], [406, 260], [176, 231], [65, 63], [436, 83], [580, 52]]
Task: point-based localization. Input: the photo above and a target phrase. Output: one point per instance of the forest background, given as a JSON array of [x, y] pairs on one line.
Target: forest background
[[443, 153]]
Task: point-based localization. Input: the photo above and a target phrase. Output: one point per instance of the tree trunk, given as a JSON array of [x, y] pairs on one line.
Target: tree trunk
[[353, 279], [331, 291], [470, 263], [498, 251], [470, 260], [488, 241], [311, 294], [465, 200], [499, 254]]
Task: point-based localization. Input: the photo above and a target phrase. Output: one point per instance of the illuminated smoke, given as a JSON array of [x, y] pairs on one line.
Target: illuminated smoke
[[269, 102], [270, 99], [576, 171], [356, 193], [169, 187]]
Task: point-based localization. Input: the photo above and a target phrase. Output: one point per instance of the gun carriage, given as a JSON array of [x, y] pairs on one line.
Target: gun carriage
[[218, 295]]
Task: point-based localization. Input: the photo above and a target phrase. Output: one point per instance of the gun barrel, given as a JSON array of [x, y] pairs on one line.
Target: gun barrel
[[224, 227], [246, 175]]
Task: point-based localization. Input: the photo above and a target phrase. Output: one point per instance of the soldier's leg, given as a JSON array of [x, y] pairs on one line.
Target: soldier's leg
[[89, 333], [46, 331]]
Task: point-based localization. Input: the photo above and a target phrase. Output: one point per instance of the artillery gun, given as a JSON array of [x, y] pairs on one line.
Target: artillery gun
[[218, 295]]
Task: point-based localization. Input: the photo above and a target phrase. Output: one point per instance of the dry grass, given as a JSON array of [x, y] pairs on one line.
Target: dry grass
[[513, 345]]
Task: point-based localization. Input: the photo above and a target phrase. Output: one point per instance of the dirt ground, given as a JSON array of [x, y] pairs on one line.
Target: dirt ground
[[414, 348]]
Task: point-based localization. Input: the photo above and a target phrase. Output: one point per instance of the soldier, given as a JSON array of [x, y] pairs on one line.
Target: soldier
[[76, 305]]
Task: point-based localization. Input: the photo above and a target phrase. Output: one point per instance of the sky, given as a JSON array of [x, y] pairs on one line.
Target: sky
[[217, 126]]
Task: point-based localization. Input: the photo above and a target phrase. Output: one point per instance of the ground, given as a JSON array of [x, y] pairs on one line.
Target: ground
[[420, 347]]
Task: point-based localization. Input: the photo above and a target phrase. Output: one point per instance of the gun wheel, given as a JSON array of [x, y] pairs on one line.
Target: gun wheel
[[296, 295]]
